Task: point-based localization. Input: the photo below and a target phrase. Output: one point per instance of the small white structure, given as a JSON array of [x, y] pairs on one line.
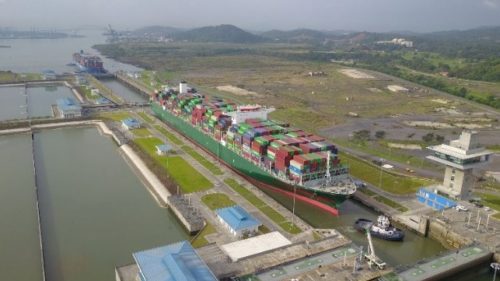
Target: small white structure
[[245, 112], [183, 87], [255, 245], [94, 92], [131, 123], [238, 221], [461, 156], [397, 88], [68, 108], [163, 149]]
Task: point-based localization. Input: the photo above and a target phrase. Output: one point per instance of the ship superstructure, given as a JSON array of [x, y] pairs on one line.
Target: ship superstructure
[[269, 153], [89, 63]]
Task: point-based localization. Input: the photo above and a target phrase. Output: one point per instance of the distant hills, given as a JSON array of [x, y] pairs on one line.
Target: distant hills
[[233, 34]]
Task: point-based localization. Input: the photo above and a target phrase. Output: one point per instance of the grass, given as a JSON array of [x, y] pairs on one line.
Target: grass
[[115, 116], [199, 240], [187, 177], [146, 117], [366, 191], [263, 207], [390, 203], [169, 135], [141, 132], [492, 201], [203, 161], [217, 200], [374, 175]]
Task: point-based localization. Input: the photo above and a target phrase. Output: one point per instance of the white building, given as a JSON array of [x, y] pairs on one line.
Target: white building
[[461, 156], [183, 87]]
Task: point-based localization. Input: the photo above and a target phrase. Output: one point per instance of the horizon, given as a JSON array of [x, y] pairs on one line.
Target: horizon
[[355, 15]]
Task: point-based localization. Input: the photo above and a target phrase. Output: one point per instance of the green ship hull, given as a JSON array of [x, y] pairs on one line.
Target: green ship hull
[[239, 164]]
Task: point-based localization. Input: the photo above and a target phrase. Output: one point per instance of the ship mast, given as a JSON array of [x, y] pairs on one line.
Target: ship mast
[[328, 166]]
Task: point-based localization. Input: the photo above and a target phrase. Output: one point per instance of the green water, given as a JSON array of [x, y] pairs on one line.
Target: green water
[[94, 210], [123, 91], [413, 249], [41, 98], [19, 243]]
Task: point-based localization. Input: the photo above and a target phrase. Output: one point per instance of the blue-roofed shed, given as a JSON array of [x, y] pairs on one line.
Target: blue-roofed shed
[[238, 220], [174, 262], [131, 123], [162, 149], [68, 108]]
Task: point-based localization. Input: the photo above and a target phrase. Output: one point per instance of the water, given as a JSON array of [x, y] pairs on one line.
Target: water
[[413, 249], [123, 91], [95, 212], [12, 103], [37, 55], [40, 100], [19, 242]]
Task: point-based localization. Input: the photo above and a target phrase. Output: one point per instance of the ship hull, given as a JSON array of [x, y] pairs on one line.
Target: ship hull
[[241, 165]]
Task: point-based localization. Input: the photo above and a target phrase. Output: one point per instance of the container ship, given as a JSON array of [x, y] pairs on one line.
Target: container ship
[[270, 154], [89, 63]]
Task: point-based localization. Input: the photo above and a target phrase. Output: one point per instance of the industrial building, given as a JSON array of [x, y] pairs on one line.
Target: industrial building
[[238, 221], [68, 108], [131, 123], [173, 262], [461, 156]]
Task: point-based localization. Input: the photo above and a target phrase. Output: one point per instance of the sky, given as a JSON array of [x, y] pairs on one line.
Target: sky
[[257, 15]]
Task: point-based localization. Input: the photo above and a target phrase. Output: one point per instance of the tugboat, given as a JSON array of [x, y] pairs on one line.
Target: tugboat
[[382, 229]]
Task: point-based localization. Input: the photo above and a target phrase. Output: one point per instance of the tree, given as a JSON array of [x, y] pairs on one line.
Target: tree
[[362, 135], [380, 134], [428, 137]]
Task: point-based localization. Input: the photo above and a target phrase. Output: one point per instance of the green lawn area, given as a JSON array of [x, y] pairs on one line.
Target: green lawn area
[[188, 178], [375, 175], [115, 116], [199, 240], [141, 132], [169, 135], [263, 207], [217, 200], [203, 161], [491, 201], [146, 117]]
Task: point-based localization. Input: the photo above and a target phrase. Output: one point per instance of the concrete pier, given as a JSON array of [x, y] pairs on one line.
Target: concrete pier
[[447, 265]]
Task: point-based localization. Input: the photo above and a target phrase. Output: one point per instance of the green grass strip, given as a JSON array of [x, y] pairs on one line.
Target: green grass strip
[[390, 203], [217, 200], [187, 177], [169, 135], [203, 161], [146, 117], [263, 207], [199, 240]]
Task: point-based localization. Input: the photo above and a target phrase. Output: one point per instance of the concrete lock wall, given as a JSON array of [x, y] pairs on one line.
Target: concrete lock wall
[[440, 232]]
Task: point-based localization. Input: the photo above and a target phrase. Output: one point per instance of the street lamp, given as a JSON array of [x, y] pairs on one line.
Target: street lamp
[[495, 266]]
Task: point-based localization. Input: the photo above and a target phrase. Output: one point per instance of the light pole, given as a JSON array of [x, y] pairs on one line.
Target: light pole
[[495, 266]]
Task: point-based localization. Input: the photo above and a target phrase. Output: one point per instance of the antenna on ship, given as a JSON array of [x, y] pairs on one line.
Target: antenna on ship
[[328, 165]]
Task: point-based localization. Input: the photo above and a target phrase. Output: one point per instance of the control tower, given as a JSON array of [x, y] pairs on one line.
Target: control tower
[[461, 156]]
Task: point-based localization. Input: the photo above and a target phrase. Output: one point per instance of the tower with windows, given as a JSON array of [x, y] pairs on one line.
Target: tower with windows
[[460, 157]]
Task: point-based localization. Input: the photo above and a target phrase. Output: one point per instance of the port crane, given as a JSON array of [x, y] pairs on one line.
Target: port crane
[[370, 256]]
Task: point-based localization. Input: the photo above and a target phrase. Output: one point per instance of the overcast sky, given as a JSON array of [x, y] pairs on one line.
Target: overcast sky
[[370, 15]]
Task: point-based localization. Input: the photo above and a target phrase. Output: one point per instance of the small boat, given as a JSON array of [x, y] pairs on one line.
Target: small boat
[[382, 229]]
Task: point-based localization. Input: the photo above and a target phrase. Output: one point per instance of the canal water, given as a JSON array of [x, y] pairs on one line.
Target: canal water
[[40, 100], [413, 249], [13, 103], [123, 91], [20, 257], [37, 55], [95, 211]]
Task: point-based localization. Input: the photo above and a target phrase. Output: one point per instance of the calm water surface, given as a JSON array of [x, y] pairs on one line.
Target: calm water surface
[[95, 211], [20, 258], [125, 92]]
